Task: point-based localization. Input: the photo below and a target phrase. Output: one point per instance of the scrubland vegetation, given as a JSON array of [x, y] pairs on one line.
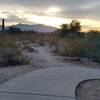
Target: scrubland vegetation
[[10, 48], [10, 54], [73, 43], [69, 41], [13, 42], [87, 46]]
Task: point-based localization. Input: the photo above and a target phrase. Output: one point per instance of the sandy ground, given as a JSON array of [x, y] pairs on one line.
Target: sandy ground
[[8, 73], [89, 90], [12, 72], [40, 58]]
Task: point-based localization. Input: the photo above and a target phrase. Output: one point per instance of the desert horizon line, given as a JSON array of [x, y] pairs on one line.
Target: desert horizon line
[[85, 28]]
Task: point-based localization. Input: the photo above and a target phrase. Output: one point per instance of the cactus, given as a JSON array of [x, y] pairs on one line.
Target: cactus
[[3, 25]]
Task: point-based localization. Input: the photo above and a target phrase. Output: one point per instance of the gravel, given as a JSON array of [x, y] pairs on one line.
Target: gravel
[[88, 90]]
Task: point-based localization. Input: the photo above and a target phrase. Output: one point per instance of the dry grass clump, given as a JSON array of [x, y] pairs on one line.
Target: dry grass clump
[[81, 47], [10, 55]]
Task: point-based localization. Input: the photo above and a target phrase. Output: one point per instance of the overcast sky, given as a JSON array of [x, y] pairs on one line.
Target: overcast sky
[[51, 12]]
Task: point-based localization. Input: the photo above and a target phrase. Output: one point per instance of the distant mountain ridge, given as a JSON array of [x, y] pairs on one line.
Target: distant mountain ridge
[[37, 27]]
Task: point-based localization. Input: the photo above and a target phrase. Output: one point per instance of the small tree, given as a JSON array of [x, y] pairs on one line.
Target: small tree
[[64, 27], [75, 26], [64, 30]]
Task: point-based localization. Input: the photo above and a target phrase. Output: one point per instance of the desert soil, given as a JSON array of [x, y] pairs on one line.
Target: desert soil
[[40, 58]]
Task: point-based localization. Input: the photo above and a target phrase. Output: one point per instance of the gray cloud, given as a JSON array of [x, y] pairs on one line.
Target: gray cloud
[[13, 18], [70, 8]]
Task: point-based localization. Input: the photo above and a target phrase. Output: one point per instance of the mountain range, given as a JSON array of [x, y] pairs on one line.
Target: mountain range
[[37, 27]]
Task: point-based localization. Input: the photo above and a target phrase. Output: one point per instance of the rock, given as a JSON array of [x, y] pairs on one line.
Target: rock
[[31, 49]]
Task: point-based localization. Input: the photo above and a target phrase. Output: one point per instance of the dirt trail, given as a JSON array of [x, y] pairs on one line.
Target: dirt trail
[[44, 58], [57, 79]]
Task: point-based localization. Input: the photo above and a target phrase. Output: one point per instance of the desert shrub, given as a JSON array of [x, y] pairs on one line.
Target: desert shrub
[[53, 39], [94, 39], [13, 30], [74, 47], [10, 55], [87, 47]]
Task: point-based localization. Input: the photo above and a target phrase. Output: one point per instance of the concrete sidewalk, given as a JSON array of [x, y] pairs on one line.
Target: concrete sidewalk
[[56, 83]]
